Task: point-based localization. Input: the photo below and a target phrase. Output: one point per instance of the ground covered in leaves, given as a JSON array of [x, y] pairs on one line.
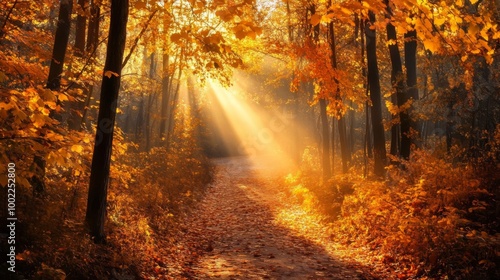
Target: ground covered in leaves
[[238, 232]]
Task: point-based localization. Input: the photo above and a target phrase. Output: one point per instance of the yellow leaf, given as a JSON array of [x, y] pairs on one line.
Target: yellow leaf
[[459, 3], [77, 148], [38, 120], [54, 137], [432, 45], [439, 21], [63, 97]]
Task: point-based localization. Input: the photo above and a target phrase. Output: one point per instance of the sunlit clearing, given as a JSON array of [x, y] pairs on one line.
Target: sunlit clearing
[[251, 130]]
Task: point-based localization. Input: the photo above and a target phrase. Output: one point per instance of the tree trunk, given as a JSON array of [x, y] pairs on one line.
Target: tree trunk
[[54, 81], [333, 144], [93, 28], [376, 110], [81, 25], [101, 159], [91, 49], [344, 145], [368, 136], [139, 124], [173, 107], [398, 85], [407, 125], [165, 97], [325, 140], [60, 45]]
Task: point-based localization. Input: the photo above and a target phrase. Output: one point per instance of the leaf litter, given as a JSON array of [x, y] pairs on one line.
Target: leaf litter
[[234, 233]]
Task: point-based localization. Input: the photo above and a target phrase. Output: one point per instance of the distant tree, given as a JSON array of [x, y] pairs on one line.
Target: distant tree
[[101, 159], [60, 45], [81, 25]]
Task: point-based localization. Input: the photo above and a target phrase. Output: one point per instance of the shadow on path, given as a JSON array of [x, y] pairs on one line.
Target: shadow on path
[[238, 238]]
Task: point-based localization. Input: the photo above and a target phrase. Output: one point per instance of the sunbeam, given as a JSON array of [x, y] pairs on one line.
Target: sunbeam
[[249, 128]]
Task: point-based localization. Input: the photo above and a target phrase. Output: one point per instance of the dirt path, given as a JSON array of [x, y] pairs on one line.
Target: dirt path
[[237, 236]]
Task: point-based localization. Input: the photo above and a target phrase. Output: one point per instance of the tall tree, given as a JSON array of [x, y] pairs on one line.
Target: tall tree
[[81, 25], [410, 48], [101, 159], [379, 152], [344, 145], [60, 45], [397, 80], [325, 130], [54, 82], [93, 27]]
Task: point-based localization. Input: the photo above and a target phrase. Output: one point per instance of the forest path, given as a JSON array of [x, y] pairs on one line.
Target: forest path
[[237, 236]]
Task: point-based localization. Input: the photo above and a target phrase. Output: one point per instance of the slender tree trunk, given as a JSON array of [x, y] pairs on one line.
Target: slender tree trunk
[[75, 108], [344, 145], [165, 97], [81, 25], [408, 125], [91, 50], [368, 129], [368, 137], [148, 122], [101, 159], [333, 144], [325, 140], [351, 138], [139, 125], [173, 107], [376, 110], [54, 82], [60, 45], [325, 132], [93, 28], [399, 98]]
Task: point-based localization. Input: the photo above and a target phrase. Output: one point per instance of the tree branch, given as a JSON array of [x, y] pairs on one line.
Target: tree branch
[[136, 41]]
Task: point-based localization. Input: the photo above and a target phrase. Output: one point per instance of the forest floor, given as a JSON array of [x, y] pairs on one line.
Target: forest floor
[[234, 232]]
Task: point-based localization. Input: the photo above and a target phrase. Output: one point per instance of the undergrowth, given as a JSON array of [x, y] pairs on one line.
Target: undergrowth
[[431, 218], [150, 193]]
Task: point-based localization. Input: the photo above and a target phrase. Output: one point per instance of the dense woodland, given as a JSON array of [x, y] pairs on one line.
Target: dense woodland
[[383, 116]]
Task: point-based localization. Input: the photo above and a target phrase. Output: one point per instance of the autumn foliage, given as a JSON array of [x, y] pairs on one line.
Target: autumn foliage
[[385, 114]]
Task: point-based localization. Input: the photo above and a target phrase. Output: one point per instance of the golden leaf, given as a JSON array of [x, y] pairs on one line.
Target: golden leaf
[[77, 148], [64, 97]]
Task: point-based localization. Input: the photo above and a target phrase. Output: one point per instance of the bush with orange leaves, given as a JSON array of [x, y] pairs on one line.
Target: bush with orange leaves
[[431, 218]]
